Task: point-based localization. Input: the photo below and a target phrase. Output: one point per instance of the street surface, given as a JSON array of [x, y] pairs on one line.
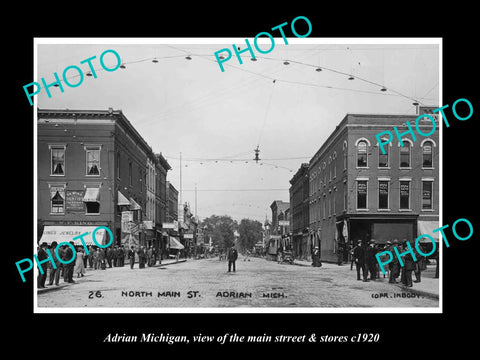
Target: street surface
[[206, 283]]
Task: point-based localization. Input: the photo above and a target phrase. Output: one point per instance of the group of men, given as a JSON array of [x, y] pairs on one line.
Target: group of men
[[66, 270], [146, 256], [367, 264]]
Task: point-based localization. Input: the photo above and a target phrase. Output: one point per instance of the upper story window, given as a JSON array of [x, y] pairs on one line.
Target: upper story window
[[362, 151], [57, 160], [405, 154], [427, 152], [345, 155], [57, 199], [383, 158], [92, 160]]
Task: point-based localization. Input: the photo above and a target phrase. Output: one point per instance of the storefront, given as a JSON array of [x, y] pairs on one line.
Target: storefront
[[66, 234]]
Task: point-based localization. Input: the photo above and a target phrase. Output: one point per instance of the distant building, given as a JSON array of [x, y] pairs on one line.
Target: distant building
[[358, 193], [299, 208]]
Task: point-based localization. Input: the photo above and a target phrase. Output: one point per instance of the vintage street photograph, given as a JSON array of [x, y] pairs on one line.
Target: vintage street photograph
[[197, 175]]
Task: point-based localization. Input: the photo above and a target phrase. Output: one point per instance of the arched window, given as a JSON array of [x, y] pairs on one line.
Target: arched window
[[362, 153], [383, 158], [427, 154], [405, 151]]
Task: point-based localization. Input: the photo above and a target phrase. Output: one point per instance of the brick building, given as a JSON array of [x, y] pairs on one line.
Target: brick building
[[358, 193], [299, 209], [92, 168]]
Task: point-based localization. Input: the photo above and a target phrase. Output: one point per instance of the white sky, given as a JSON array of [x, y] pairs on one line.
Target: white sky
[[190, 106]]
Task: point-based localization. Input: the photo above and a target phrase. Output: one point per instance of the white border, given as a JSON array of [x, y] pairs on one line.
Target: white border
[[307, 40]]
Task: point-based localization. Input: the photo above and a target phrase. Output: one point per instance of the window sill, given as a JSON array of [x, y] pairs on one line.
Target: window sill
[[384, 210], [90, 214], [362, 209], [404, 210], [92, 175], [405, 168], [428, 210], [362, 167], [384, 168], [57, 175], [57, 214], [428, 168]]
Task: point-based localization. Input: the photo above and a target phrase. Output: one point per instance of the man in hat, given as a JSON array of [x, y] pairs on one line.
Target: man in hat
[[42, 255], [232, 257], [359, 256], [54, 273], [371, 260], [394, 265]]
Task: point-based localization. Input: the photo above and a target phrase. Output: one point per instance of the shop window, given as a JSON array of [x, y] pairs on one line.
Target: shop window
[[92, 207], [57, 154]]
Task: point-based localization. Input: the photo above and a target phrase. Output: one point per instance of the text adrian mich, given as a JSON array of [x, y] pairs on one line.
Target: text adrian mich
[[196, 294]]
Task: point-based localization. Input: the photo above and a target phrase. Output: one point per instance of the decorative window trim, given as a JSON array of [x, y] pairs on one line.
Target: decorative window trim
[[87, 147]]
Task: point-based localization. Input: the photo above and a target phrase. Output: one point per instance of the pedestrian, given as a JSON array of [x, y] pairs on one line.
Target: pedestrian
[[42, 255], [115, 256], [316, 257], [420, 264], [148, 255], [69, 257], [108, 256], [352, 257], [154, 255], [359, 258], [131, 256], [95, 255], [102, 263], [90, 257], [408, 267], [85, 260], [79, 264], [121, 256], [437, 258], [55, 273], [247, 256], [340, 250], [370, 260], [141, 257], [232, 257]]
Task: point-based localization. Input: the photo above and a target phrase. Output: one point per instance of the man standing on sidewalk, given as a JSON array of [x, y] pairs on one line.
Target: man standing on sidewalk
[[232, 257], [131, 256], [55, 273], [359, 256]]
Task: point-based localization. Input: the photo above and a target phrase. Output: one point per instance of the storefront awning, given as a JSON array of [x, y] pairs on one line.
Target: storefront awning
[[427, 227], [92, 194], [122, 200], [175, 244], [67, 233], [134, 205]]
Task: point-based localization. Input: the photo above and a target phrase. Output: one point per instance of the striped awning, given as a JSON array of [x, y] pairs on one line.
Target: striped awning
[[122, 200], [92, 194]]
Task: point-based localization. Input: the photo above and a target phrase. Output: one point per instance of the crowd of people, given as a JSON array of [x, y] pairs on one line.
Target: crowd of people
[[367, 266], [95, 258]]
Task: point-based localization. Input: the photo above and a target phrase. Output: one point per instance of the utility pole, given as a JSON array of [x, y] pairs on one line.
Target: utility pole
[[195, 199]]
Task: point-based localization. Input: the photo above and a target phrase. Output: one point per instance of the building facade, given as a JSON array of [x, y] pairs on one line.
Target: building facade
[[300, 213], [93, 169], [358, 193]]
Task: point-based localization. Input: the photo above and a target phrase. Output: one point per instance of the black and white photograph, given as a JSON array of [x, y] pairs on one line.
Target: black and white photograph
[[218, 175]]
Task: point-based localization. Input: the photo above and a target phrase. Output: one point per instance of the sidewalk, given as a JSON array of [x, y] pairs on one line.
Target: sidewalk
[[428, 287], [91, 272]]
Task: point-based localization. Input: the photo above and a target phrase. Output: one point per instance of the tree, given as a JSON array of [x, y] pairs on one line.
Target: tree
[[250, 233], [221, 229]]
